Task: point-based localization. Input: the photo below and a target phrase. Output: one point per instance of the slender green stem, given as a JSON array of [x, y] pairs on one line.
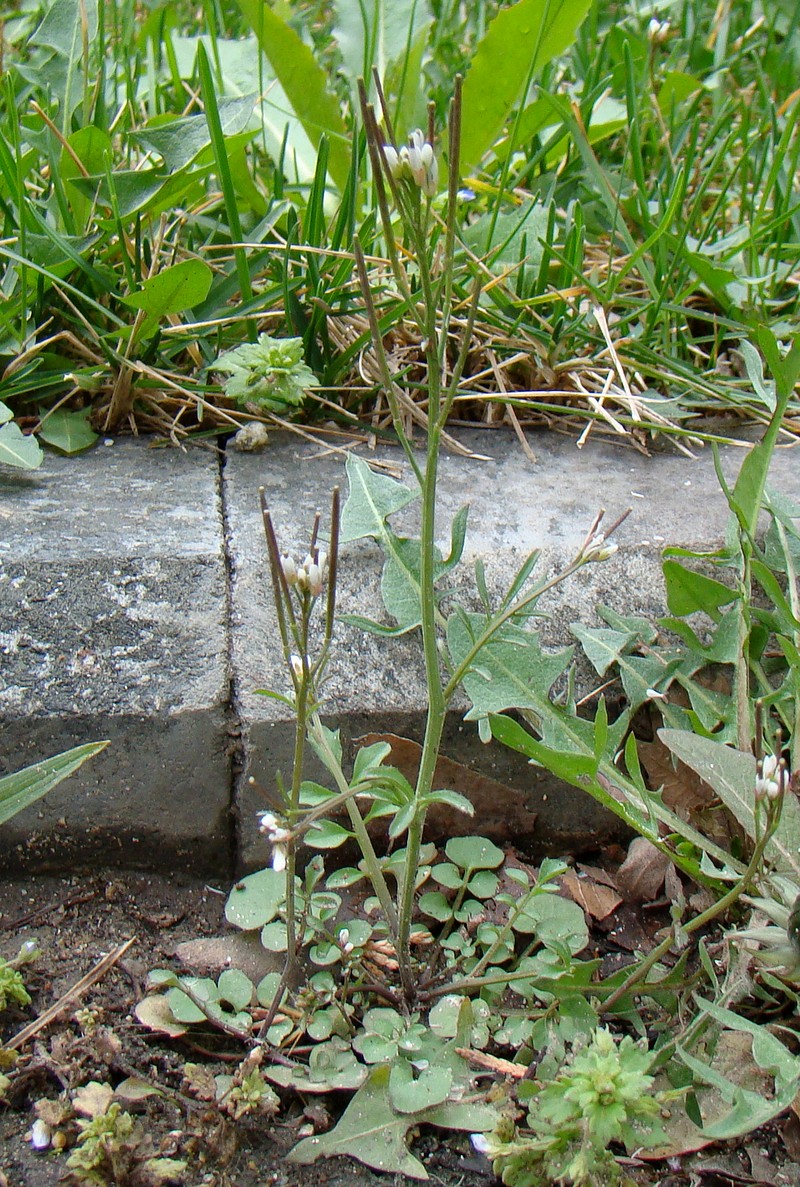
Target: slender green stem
[[374, 872]]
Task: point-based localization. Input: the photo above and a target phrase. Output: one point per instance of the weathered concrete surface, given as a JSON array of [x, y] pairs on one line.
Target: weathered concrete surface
[[117, 621], [113, 624], [376, 683]]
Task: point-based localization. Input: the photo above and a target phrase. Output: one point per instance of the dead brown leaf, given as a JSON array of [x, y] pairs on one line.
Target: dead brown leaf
[[503, 811], [597, 900], [689, 796], [641, 875], [93, 1099]]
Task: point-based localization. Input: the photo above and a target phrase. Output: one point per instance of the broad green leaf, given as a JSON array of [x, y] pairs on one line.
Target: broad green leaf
[[405, 85], [474, 853], [173, 289], [25, 453], [235, 989], [513, 237], [510, 672], [372, 498], [747, 497], [603, 646], [572, 761], [69, 432], [152, 190], [67, 27], [676, 88], [64, 26], [554, 920], [688, 591], [255, 899], [180, 140], [5, 413], [732, 775], [642, 627], [22, 788], [304, 83], [92, 145], [377, 33], [410, 1093], [518, 43], [374, 1133]]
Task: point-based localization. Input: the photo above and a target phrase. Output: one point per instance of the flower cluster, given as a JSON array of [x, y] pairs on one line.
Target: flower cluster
[[415, 160], [770, 778], [308, 577], [278, 835]]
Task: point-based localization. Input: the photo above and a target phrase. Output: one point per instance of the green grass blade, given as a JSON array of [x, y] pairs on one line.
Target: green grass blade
[[22, 788], [211, 105]]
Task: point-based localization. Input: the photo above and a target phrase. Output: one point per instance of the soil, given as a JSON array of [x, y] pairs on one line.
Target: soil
[[75, 921], [78, 919]]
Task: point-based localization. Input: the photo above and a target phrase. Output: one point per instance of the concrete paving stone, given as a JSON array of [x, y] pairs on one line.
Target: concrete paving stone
[[376, 684], [113, 624], [117, 621]]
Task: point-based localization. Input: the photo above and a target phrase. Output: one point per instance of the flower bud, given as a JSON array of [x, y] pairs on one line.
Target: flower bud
[[315, 580], [289, 569], [297, 666], [393, 163]]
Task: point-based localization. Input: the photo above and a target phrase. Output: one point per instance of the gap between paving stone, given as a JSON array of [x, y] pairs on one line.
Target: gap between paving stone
[[135, 604]]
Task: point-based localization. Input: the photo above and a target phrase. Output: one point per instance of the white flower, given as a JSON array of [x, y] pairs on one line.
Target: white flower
[[422, 162], [480, 1142], [767, 785], [278, 836], [657, 31], [267, 821], [296, 664], [416, 160]]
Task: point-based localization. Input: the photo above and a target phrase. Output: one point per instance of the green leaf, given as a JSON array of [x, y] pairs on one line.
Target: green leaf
[[474, 853], [434, 904], [511, 671], [22, 788], [69, 432], [327, 834], [235, 989], [91, 145], [375, 1133], [518, 43], [173, 289], [305, 84], [255, 899], [732, 775], [554, 920], [179, 141], [378, 33], [747, 497], [65, 24], [410, 1093], [372, 498], [24, 453], [603, 646], [688, 591]]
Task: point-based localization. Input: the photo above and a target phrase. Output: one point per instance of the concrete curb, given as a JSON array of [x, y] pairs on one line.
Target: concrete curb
[[135, 605]]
